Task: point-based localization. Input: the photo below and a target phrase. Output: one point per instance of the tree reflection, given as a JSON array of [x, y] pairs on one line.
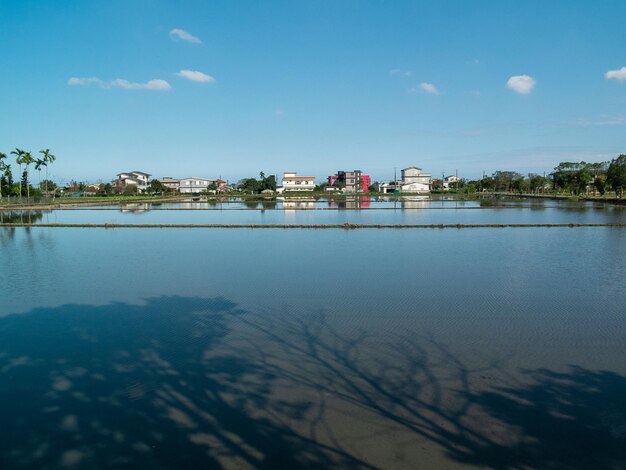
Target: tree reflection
[[21, 216]]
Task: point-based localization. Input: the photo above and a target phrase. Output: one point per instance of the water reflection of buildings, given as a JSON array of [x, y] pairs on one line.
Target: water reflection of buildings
[[136, 208], [414, 202], [357, 202], [298, 204]]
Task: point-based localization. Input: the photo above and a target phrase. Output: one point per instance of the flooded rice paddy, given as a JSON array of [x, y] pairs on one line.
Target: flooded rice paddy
[[493, 348]]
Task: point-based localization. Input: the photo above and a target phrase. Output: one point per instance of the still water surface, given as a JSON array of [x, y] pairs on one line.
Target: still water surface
[[365, 210], [208, 348]]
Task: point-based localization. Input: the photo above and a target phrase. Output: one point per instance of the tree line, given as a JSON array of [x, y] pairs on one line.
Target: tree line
[[575, 178], [22, 186]]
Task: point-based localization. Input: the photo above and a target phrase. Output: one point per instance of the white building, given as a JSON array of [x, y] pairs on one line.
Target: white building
[[136, 178], [170, 183], [293, 182], [448, 180], [195, 184], [414, 181]]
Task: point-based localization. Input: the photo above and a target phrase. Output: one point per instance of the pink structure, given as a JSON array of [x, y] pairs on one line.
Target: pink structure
[[366, 181]]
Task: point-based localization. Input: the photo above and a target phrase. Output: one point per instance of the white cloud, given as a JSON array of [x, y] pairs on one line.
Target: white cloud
[[196, 76], [522, 84], [149, 85], [155, 84], [279, 113], [616, 74], [400, 73], [424, 87], [84, 81], [184, 36], [429, 88]]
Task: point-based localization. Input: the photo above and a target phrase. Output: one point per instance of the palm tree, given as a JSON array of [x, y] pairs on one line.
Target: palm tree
[[38, 164], [48, 158], [19, 160], [2, 168], [28, 159]]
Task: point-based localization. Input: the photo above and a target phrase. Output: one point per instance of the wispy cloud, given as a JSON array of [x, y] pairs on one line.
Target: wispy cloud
[[279, 113], [619, 75], [156, 84], [196, 76], [149, 85], [400, 73], [181, 34], [425, 87], [522, 84], [603, 120], [85, 81]]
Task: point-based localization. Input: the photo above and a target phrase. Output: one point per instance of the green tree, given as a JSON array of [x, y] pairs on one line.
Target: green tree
[[270, 182], [575, 177], [19, 159], [49, 159], [503, 180], [519, 184], [104, 189], [8, 179], [600, 184], [156, 187], [51, 185], [537, 182], [38, 164], [249, 185], [487, 183], [460, 184], [130, 189], [24, 180], [28, 160], [616, 175], [582, 178]]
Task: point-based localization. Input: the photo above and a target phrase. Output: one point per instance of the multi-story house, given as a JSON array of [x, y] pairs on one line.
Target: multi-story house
[[136, 178], [448, 180], [350, 181], [414, 181], [293, 182], [195, 184], [172, 184]]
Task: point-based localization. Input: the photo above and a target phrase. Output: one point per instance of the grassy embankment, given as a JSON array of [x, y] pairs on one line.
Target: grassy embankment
[[345, 226]]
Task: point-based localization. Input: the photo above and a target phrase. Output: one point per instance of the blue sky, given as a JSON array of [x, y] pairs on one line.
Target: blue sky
[[228, 88]]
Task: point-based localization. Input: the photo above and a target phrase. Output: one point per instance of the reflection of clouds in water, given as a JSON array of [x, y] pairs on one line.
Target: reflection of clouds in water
[[61, 384], [72, 458]]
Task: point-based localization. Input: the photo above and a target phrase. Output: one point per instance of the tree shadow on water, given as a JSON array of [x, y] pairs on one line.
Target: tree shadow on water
[[542, 420], [198, 383], [145, 386], [572, 420]]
